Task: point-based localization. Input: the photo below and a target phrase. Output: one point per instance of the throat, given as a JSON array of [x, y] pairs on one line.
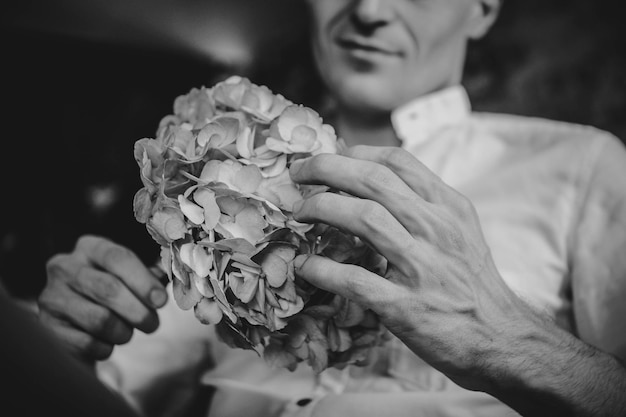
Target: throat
[[372, 131]]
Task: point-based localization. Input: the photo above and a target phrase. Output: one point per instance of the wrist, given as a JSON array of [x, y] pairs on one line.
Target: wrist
[[539, 369]]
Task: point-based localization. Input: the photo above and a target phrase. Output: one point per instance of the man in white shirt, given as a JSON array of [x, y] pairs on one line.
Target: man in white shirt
[[511, 302]]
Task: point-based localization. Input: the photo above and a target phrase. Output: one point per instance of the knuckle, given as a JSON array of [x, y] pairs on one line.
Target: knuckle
[[86, 241], [318, 203], [379, 177], [99, 320], [45, 303], [373, 215], [51, 302], [114, 255], [56, 267], [355, 288], [106, 287]]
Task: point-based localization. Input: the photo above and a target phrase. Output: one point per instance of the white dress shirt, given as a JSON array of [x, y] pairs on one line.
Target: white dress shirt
[[551, 198]]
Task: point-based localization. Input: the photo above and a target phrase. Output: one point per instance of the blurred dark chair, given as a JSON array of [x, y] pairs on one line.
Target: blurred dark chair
[[39, 377]]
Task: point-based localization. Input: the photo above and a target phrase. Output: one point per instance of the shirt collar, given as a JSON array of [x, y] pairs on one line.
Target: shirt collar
[[415, 121]]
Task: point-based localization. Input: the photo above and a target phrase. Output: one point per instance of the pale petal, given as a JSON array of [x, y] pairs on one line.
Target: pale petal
[[186, 253], [289, 308], [230, 206], [169, 223], [210, 171], [251, 224], [207, 311], [245, 143], [287, 290], [201, 260], [275, 269], [192, 211], [244, 285], [303, 139], [278, 167], [285, 252], [186, 296], [211, 211], [212, 132], [247, 179], [278, 145], [203, 285]]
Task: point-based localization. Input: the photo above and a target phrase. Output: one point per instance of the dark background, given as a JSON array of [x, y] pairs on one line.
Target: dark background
[[84, 79]]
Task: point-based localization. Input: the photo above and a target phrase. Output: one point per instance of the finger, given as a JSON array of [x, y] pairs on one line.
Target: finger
[[350, 281], [80, 343], [414, 173], [379, 183], [358, 177], [124, 264], [364, 218], [96, 320], [109, 292]]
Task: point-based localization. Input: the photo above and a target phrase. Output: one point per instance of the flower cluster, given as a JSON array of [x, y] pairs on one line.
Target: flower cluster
[[217, 197]]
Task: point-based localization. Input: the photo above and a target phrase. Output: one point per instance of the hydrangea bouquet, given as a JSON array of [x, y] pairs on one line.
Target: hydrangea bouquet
[[217, 197]]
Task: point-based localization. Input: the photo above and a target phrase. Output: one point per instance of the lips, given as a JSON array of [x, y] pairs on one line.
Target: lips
[[359, 43]]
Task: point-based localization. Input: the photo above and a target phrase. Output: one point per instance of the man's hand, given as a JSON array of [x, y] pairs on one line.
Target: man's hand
[[97, 295], [442, 294]]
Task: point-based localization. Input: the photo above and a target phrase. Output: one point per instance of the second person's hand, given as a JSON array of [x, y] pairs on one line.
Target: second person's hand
[[97, 295]]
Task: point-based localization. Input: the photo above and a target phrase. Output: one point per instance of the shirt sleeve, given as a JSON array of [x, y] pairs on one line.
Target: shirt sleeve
[[599, 252], [159, 373]]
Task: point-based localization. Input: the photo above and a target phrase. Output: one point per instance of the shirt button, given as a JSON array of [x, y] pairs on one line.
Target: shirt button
[[303, 401]]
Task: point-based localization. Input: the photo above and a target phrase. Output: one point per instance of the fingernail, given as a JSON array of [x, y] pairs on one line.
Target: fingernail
[[295, 167], [158, 297], [299, 261]]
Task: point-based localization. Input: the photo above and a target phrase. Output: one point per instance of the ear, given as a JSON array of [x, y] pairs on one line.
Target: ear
[[484, 13]]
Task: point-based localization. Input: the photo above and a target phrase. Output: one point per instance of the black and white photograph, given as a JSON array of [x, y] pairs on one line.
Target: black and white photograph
[[313, 208]]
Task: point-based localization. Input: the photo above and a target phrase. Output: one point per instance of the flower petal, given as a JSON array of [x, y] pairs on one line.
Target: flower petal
[[192, 211], [248, 179], [275, 269], [208, 311], [243, 285], [211, 211]]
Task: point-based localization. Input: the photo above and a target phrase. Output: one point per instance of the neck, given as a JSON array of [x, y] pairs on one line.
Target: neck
[[370, 129]]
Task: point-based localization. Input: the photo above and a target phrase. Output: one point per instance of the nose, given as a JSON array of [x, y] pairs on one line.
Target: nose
[[368, 15]]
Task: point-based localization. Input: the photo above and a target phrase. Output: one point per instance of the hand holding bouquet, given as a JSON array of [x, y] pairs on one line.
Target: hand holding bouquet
[[217, 197]]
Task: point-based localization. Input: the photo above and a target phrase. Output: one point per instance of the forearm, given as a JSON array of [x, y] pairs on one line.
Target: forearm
[[539, 369]]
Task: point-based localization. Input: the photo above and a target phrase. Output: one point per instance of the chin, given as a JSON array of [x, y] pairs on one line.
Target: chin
[[370, 97]]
